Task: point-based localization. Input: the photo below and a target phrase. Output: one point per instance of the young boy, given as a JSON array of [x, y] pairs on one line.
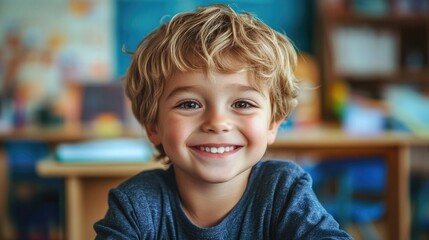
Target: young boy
[[211, 88]]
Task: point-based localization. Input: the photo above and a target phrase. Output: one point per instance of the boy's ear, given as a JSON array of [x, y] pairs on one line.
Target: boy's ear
[[272, 131], [152, 133]]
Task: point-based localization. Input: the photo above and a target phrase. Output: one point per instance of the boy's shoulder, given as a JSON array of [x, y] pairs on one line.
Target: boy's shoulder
[[279, 167], [147, 181], [279, 175]]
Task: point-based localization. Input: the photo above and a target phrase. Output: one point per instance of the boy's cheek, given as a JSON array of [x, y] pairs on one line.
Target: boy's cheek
[[175, 130], [256, 129]]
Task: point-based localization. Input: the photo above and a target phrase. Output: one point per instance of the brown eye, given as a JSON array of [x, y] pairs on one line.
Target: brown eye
[[242, 104], [188, 105]]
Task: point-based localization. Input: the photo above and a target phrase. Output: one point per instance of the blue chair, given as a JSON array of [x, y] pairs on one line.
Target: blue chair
[[351, 190]]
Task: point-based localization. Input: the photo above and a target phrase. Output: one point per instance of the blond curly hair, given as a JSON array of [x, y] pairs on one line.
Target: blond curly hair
[[210, 39]]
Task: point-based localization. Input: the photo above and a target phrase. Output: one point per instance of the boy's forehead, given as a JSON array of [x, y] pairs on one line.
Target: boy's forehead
[[212, 76], [226, 62], [209, 75]]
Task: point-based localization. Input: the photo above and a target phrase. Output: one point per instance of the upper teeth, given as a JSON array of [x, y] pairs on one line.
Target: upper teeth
[[217, 150]]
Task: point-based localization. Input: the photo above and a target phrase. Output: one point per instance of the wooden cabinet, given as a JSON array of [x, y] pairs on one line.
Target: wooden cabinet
[[368, 47]]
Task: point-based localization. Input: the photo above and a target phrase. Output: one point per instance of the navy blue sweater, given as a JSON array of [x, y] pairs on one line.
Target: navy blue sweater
[[278, 203]]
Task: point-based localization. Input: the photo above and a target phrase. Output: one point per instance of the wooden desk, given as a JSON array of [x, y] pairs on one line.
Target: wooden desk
[[3, 190], [87, 185], [86, 189]]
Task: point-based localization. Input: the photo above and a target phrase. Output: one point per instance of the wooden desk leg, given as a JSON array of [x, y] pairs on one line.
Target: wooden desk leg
[[398, 203], [3, 192], [74, 208]]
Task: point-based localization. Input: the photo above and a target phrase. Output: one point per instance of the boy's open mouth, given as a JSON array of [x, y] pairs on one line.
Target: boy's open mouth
[[213, 149]]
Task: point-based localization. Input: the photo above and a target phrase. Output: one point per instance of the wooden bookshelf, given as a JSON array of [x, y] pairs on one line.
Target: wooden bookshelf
[[410, 32]]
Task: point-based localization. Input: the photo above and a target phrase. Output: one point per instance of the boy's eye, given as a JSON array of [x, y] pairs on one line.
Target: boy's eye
[[188, 105], [242, 104]]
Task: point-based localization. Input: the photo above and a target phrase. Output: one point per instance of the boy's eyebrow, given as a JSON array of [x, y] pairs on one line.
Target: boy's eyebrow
[[179, 90], [235, 86], [247, 88], [244, 87]]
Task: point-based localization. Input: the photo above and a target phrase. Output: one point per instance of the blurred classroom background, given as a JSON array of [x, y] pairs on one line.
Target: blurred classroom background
[[361, 129]]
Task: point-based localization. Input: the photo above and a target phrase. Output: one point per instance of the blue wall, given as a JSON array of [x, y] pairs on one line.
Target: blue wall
[[136, 18]]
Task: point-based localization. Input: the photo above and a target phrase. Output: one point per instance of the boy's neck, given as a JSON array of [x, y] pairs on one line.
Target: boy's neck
[[206, 204]]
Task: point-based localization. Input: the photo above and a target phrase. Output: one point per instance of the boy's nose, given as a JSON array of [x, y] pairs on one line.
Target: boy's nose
[[216, 121]]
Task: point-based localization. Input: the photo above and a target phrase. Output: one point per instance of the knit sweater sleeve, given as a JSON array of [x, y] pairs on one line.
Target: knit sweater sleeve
[[302, 213], [120, 221]]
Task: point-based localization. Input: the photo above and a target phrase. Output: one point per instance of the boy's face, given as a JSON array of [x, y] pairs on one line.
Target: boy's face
[[213, 130]]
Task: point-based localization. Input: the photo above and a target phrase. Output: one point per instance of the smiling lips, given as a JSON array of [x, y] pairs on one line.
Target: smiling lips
[[217, 149]]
